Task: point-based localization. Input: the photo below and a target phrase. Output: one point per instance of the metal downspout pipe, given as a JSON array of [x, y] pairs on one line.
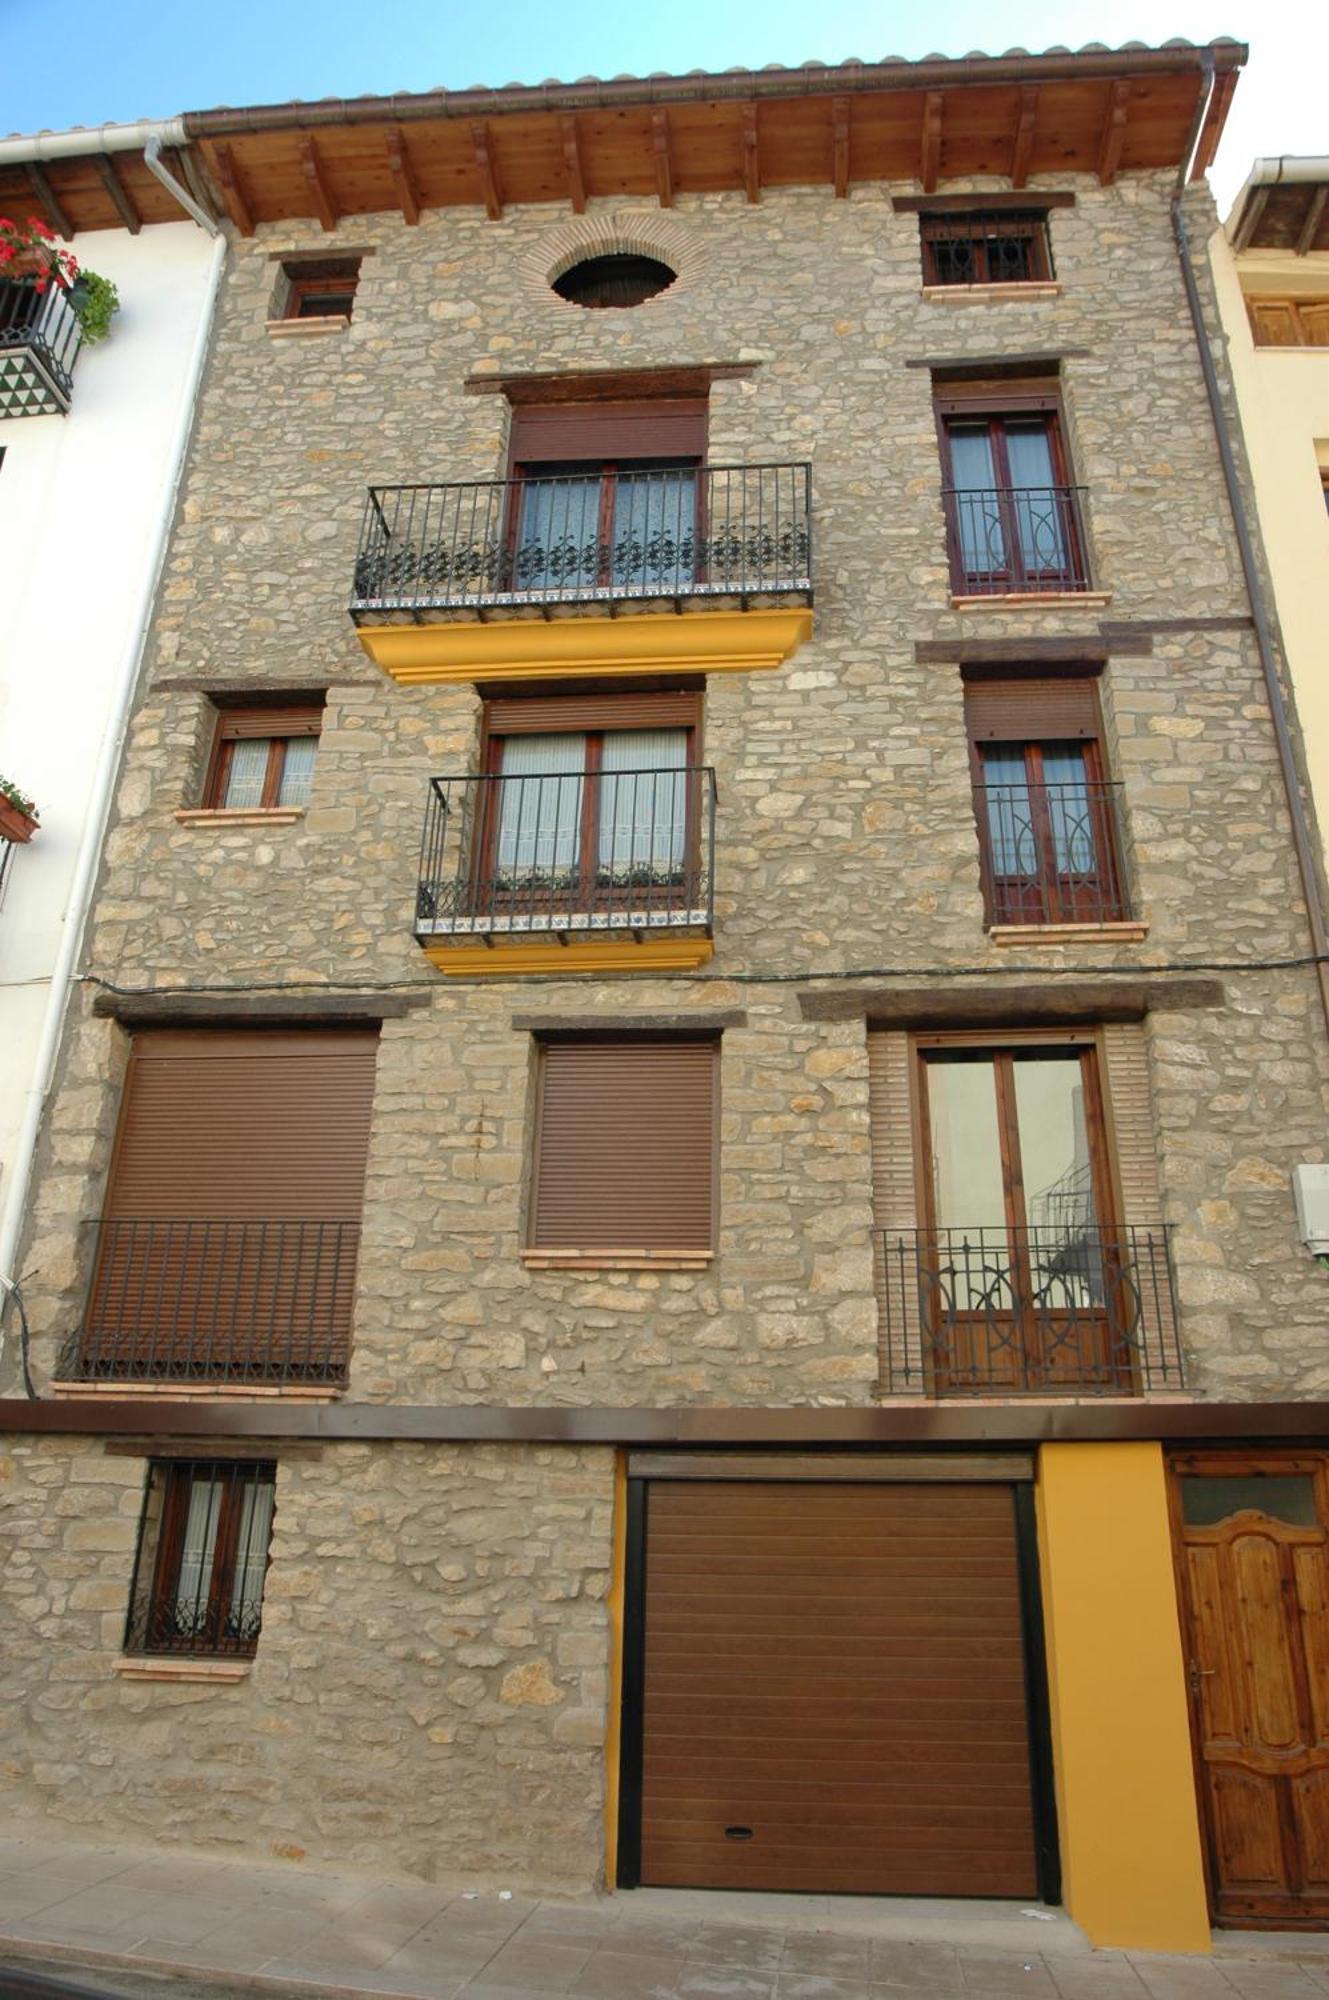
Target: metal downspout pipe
[[1302, 839]]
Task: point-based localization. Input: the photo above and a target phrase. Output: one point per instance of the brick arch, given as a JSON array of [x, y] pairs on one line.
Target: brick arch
[[626, 232]]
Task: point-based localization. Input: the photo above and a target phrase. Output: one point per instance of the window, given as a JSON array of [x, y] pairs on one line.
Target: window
[[1012, 513], [624, 1152], [263, 758], [1005, 248], [614, 281], [1289, 322], [202, 1558], [321, 288], [1047, 815]]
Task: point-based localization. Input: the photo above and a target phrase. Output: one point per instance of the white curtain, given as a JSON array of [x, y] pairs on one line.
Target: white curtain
[[251, 1554], [558, 547], [200, 1541], [655, 515], [540, 799], [249, 768], [643, 802], [297, 774]]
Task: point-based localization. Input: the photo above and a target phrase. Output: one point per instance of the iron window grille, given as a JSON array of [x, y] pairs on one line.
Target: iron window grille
[[1049, 852], [202, 1557], [1010, 248]]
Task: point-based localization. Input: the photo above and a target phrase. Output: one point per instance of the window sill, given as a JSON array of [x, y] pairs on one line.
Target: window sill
[[213, 1673], [224, 816], [617, 1260], [306, 329], [1032, 600], [1034, 288], [1123, 932], [126, 1390]]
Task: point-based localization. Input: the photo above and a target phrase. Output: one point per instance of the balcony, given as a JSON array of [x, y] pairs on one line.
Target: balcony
[[217, 1302], [1016, 541], [39, 342], [1050, 854], [568, 870], [1067, 1307], [729, 544]]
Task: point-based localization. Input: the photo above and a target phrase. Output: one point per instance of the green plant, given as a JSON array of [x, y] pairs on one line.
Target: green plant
[[17, 799], [95, 301]]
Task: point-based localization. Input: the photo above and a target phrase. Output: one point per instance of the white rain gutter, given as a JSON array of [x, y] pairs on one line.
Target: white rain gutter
[[83, 139], [1284, 169], [103, 782]]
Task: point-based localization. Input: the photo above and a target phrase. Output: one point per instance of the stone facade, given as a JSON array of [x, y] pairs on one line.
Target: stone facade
[[465, 1586]]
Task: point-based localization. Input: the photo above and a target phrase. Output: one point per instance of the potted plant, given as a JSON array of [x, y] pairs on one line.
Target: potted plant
[[29, 255], [18, 815]]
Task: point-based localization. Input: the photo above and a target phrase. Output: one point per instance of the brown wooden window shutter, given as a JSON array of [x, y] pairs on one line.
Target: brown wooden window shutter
[[564, 433], [1049, 710], [263, 755], [625, 1150], [561, 714]]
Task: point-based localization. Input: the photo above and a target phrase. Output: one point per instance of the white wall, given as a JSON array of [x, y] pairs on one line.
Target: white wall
[[80, 496]]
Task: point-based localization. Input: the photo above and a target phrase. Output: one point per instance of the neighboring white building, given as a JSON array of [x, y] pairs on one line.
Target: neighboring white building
[[86, 498]]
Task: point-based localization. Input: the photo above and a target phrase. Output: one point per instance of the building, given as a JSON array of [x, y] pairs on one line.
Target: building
[[1271, 273], [673, 1164], [92, 439]]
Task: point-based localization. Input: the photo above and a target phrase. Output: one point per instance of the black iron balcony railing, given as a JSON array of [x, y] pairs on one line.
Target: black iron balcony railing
[[217, 1301], [1003, 540], [1068, 1307], [40, 337], [685, 532], [565, 851], [1051, 854]]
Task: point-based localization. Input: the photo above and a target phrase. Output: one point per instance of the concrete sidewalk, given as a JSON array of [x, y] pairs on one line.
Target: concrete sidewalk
[[255, 1926]]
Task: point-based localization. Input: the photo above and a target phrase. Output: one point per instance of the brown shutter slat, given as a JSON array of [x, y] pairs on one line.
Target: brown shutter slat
[[552, 714], [664, 428], [1315, 324], [248, 722], [1273, 323], [1030, 711], [625, 1155], [839, 1672], [997, 392]]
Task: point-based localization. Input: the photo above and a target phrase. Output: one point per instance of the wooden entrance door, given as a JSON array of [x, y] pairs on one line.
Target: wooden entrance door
[[1254, 1553]]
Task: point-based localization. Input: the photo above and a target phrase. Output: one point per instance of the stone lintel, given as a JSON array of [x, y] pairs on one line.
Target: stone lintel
[[165, 1010], [621, 1024], [1079, 1001]]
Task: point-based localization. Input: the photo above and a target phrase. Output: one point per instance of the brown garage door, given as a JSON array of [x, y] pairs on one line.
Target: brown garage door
[[834, 1690]]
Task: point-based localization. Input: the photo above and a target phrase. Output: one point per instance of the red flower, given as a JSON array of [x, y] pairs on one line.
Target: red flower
[[39, 227]]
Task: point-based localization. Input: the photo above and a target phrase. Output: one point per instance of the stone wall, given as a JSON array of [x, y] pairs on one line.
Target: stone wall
[[430, 1689], [846, 840]]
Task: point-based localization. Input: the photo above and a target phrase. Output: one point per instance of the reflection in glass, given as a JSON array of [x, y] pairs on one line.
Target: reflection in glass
[[1288, 1496]]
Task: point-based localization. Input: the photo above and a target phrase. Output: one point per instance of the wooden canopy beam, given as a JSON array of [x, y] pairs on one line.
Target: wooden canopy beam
[[572, 161], [929, 165], [1310, 227], [232, 193], [840, 146], [312, 167], [1113, 136], [46, 195], [484, 160], [119, 193], [1213, 124], [403, 176], [1023, 149], [1256, 203], [662, 146], [751, 152]]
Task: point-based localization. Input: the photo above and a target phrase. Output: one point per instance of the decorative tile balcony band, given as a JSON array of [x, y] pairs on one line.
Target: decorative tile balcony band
[[1069, 1306], [1003, 540], [561, 854], [670, 535], [1051, 854], [40, 339], [217, 1301]]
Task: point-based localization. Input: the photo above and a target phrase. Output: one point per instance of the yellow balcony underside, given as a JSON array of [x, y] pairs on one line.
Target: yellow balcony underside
[[579, 954], [531, 649]]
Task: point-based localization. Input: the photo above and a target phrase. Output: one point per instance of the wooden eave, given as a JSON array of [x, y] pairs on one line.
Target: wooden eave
[[91, 191], [1291, 216], [659, 138]]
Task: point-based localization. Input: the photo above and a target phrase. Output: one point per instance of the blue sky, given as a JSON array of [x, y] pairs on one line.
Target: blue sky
[[91, 62]]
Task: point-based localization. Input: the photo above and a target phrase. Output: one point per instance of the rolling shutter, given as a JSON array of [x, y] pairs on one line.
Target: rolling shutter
[[578, 713], [1032, 711], [834, 1694], [554, 433], [303, 719], [625, 1152]]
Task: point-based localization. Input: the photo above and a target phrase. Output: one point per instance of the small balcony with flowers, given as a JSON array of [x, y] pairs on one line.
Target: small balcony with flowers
[[50, 309]]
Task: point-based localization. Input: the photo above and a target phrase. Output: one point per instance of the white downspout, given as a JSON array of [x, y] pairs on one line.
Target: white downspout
[[100, 794]]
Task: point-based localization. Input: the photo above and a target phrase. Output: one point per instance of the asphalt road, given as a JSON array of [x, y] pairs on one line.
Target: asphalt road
[[22, 1979]]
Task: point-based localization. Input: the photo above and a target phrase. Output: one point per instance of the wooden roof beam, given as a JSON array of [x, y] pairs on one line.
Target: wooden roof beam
[[929, 165], [484, 160], [404, 183], [56, 217], [1113, 136], [662, 147], [572, 161], [1256, 203], [1310, 227], [840, 147], [119, 193], [1213, 124], [312, 168], [233, 194], [1022, 151], [751, 152]]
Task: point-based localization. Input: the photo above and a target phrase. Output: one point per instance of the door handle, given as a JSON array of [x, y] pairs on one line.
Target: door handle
[[1198, 1673]]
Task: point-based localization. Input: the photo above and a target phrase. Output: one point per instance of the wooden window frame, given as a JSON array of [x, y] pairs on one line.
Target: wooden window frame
[[1295, 309], [993, 404], [607, 471], [236, 724], [160, 1551], [318, 279], [978, 225]]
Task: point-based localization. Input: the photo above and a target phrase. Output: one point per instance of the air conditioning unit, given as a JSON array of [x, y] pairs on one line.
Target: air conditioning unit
[[1310, 1186]]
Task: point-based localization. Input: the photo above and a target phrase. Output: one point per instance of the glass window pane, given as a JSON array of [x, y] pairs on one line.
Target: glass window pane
[[297, 776], [978, 516], [251, 1559], [1070, 809], [190, 1609], [643, 816], [558, 547], [1285, 1496], [539, 811], [1009, 813], [972, 1252], [249, 769], [654, 517], [1065, 1250]]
